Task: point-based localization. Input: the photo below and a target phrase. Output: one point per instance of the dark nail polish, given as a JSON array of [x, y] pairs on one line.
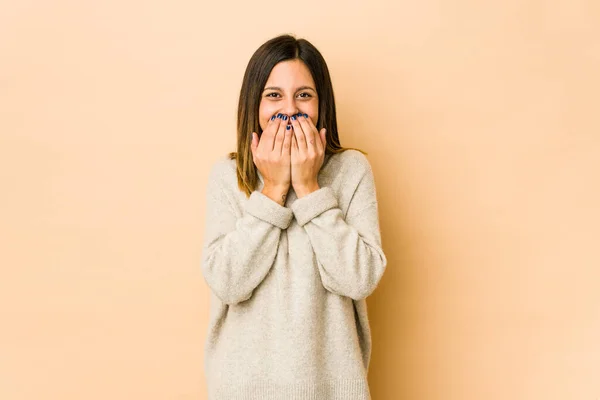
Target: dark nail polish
[[288, 127], [279, 115], [273, 117], [293, 117], [305, 115], [285, 117]]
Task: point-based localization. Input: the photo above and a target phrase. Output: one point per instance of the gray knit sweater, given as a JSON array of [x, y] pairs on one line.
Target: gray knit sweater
[[288, 316]]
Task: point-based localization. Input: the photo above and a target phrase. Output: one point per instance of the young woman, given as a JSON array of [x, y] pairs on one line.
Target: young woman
[[292, 244]]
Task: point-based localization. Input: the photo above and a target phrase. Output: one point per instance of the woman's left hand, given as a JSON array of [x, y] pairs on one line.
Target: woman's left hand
[[307, 154]]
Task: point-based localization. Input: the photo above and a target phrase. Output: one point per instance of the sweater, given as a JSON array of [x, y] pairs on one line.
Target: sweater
[[288, 285]]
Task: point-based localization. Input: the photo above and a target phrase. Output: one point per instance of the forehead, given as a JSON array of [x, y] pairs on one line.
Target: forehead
[[290, 72]]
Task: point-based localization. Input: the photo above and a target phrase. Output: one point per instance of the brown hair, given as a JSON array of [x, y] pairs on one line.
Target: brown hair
[[272, 52]]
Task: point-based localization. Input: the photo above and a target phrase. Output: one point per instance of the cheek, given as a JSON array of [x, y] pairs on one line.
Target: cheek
[[314, 111], [262, 122], [314, 115], [263, 116]]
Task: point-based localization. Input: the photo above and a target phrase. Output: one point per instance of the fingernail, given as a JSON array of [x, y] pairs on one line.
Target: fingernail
[[273, 117], [293, 117], [285, 117], [288, 127], [305, 115], [279, 115]]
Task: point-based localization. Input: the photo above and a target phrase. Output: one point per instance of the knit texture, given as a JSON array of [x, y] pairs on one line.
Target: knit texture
[[288, 285]]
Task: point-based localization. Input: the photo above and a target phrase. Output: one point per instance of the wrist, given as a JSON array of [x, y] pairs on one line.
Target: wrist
[[304, 190], [276, 193]]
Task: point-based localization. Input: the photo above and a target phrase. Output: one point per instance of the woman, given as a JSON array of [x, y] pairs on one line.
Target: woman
[[292, 244]]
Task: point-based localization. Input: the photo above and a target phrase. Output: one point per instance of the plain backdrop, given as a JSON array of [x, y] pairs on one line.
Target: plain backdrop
[[481, 123]]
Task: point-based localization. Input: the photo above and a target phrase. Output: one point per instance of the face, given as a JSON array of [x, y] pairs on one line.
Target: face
[[289, 90]]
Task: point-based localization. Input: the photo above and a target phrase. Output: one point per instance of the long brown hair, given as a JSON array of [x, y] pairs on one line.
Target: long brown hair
[[269, 54]]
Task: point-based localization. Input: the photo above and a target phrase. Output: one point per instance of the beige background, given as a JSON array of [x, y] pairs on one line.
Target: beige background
[[482, 127]]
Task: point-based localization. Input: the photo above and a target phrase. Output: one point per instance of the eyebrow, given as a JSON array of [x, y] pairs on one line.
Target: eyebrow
[[297, 90]]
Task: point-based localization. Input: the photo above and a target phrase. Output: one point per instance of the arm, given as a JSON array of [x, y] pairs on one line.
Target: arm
[[348, 250], [239, 251]]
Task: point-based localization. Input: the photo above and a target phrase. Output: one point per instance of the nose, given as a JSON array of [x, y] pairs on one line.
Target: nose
[[290, 107]]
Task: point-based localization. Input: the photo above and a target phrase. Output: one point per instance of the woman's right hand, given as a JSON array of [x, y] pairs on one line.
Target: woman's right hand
[[272, 153]]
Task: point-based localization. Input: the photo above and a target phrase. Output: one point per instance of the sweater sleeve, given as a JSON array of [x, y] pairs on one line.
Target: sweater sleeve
[[349, 255], [239, 250]]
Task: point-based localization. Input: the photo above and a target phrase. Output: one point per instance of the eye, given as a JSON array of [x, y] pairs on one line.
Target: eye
[[271, 94], [305, 93]]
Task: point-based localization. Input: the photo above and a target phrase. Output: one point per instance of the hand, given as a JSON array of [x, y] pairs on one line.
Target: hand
[[271, 153], [307, 154]]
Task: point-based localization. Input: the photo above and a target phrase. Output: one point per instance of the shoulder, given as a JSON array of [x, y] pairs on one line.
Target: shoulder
[[352, 162], [223, 172]]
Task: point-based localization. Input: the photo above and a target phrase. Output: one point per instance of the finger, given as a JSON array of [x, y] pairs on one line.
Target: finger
[[310, 131], [270, 122], [320, 140], [323, 139], [253, 143], [287, 142], [278, 139], [294, 142], [299, 133], [263, 144], [270, 133]]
